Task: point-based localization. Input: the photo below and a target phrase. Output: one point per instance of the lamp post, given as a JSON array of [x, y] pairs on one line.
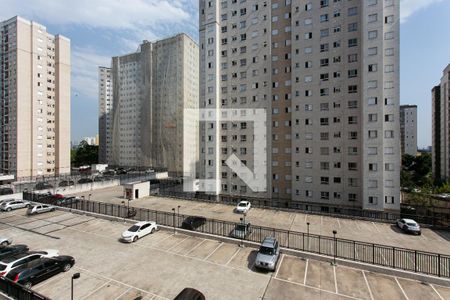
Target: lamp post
[[178, 216], [242, 236], [173, 209], [307, 233], [74, 276], [335, 247], [90, 197]]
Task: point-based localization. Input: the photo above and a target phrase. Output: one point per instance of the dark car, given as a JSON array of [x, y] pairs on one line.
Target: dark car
[[6, 191], [6, 251], [190, 294], [85, 180], [98, 179], [43, 186], [66, 183], [109, 173], [67, 201], [192, 223], [40, 269]]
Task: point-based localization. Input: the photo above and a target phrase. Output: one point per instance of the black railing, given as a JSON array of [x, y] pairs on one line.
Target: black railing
[[17, 291], [399, 258]]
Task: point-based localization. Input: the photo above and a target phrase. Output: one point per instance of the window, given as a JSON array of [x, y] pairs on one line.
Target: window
[[373, 167], [373, 134], [352, 27], [372, 51], [389, 199], [373, 18], [324, 18], [373, 34], [352, 11]]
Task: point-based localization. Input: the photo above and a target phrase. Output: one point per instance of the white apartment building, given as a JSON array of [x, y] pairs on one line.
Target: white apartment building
[[408, 129], [327, 73], [35, 100], [142, 100]]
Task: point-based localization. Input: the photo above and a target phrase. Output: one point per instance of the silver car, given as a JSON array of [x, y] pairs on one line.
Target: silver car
[[241, 230], [5, 241], [16, 204], [408, 225], [39, 208], [268, 254]]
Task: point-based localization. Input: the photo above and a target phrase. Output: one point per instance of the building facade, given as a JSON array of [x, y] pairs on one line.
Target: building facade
[[441, 118], [142, 108], [408, 129], [327, 74], [35, 100]]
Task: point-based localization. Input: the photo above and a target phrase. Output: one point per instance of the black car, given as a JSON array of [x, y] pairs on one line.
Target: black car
[[6, 251], [190, 294], [40, 269], [43, 186], [85, 180], [6, 191], [67, 201], [66, 183], [192, 223], [98, 179]]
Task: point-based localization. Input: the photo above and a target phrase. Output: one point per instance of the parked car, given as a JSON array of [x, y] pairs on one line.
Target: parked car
[[43, 186], [16, 204], [58, 196], [84, 180], [6, 191], [241, 230], [8, 200], [40, 269], [67, 201], [138, 231], [192, 223], [14, 261], [268, 254], [6, 251], [5, 241], [98, 179], [243, 207], [409, 225], [39, 209], [190, 294], [66, 183], [109, 173]]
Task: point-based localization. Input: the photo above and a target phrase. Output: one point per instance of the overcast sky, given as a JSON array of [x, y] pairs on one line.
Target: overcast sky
[[100, 29]]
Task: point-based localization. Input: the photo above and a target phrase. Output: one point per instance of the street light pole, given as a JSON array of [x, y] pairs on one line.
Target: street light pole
[[307, 233], [74, 276], [335, 247], [173, 209], [178, 216]]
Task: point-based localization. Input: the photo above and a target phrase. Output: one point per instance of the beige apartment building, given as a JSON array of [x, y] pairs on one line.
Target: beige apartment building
[[142, 99], [441, 129], [35, 100], [327, 74]]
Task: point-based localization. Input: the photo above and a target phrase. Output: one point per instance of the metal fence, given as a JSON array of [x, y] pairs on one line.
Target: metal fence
[[421, 215], [17, 291], [399, 258]]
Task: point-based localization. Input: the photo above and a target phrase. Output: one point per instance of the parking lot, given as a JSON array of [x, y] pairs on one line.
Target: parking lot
[[367, 231], [159, 266]]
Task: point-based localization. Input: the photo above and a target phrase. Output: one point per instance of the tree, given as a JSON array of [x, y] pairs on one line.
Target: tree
[[416, 171], [84, 154]]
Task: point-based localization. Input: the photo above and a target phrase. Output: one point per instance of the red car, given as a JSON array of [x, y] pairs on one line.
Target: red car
[[58, 196]]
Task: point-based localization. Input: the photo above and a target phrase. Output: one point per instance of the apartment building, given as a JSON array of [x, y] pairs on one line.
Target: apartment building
[[142, 101], [35, 100], [408, 129], [441, 119], [327, 74], [105, 91]]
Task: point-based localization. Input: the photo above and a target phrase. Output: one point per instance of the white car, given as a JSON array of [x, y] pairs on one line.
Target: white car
[[11, 262], [5, 241], [40, 208], [16, 204], [139, 230], [243, 207], [408, 225]]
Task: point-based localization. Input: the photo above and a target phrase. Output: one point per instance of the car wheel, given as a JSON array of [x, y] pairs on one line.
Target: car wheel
[[28, 205], [153, 230], [5, 243], [27, 285], [419, 233], [53, 209], [135, 238], [9, 209], [67, 267]]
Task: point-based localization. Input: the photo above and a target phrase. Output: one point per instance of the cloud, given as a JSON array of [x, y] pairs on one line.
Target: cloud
[[410, 7]]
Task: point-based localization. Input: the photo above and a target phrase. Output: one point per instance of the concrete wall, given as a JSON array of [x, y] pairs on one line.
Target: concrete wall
[[12, 196]]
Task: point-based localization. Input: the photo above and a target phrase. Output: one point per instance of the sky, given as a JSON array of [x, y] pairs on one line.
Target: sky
[[100, 29]]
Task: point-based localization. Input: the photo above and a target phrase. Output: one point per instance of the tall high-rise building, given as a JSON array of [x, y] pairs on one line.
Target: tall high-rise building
[[35, 100], [408, 129], [327, 74], [143, 97], [441, 129]]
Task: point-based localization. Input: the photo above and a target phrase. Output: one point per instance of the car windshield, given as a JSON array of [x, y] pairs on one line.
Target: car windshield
[[266, 250], [242, 204], [134, 228]]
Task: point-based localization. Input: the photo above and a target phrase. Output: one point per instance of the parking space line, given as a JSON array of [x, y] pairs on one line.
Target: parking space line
[[439, 295], [376, 228], [195, 247], [41, 284], [160, 241], [126, 291], [95, 290], [317, 289], [335, 280], [177, 244], [279, 266], [367, 284], [306, 271], [221, 243], [339, 223], [401, 288], [116, 281], [233, 256]]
